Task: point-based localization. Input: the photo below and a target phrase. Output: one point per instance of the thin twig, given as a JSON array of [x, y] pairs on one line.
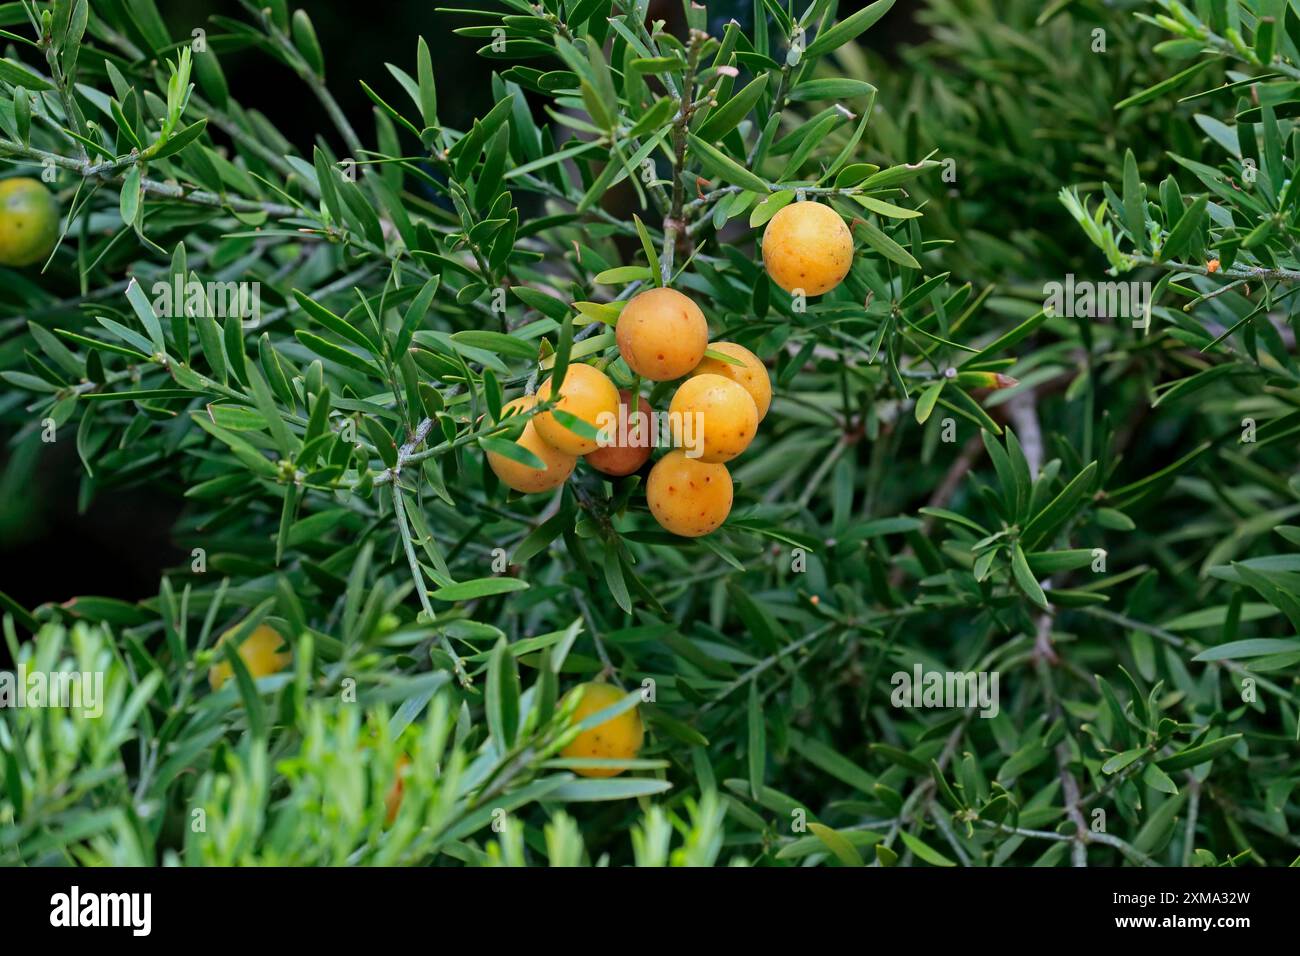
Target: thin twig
[[1235, 272], [764, 665], [114, 171], [673, 224]]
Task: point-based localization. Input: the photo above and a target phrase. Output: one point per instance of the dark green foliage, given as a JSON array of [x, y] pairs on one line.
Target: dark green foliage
[[1100, 509]]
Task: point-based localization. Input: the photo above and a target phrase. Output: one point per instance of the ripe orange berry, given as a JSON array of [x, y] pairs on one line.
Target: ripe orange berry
[[260, 653], [618, 738], [807, 246], [687, 496], [628, 452], [662, 334], [587, 393], [520, 477], [751, 376], [713, 417]]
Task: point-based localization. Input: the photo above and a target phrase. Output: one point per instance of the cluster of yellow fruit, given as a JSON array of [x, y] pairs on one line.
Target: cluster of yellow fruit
[[806, 248], [29, 222], [662, 335]]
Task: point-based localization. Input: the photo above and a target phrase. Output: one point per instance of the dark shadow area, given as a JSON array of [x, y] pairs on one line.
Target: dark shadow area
[[117, 548]]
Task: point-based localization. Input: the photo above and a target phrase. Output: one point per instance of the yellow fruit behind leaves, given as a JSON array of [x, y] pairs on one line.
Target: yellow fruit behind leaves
[[261, 653], [586, 393], [618, 738], [751, 375], [520, 477], [807, 247]]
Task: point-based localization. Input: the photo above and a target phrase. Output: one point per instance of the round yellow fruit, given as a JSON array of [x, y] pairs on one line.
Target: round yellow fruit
[[619, 738], [661, 334], [588, 394], [713, 418], [630, 440], [261, 653], [559, 465], [687, 496], [807, 246], [751, 376], [29, 222]]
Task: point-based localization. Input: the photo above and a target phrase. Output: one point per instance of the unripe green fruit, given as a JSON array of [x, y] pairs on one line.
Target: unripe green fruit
[[29, 222]]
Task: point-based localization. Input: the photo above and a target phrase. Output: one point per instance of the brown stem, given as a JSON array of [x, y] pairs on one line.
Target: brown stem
[[673, 224]]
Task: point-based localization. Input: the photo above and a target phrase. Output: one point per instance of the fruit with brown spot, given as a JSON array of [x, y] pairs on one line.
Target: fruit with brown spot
[[688, 497], [661, 334], [751, 374], [807, 246], [618, 738], [713, 417]]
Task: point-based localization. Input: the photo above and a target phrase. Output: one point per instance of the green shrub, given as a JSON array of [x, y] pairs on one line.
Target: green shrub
[[948, 482]]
